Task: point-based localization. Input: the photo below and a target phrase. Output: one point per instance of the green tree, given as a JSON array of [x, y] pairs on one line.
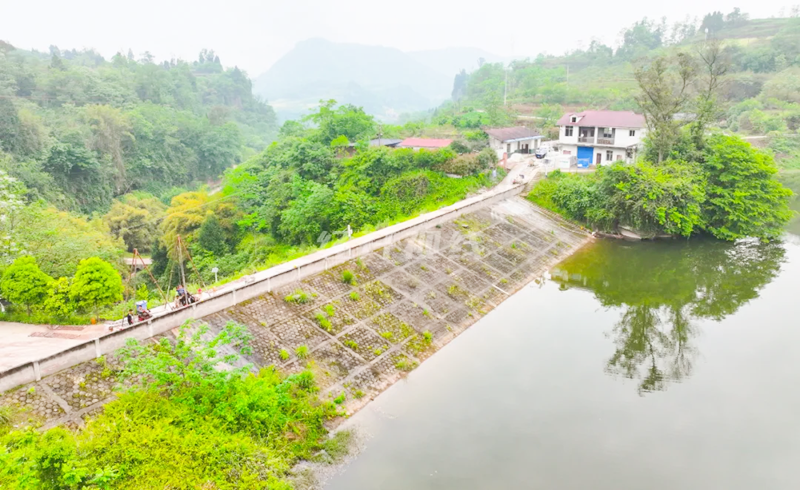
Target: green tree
[[24, 283], [59, 240], [744, 197], [58, 302], [308, 215], [135, 219], [211, 236], [96, 283], [346, 120], [665, 91]]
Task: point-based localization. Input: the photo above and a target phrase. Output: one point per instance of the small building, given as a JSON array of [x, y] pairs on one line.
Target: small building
[[601, 137], [387, 142], [427, 143], [513, 140], [391, 143]]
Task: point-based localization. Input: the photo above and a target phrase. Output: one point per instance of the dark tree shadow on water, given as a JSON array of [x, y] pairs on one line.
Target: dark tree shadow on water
[[661, 290]]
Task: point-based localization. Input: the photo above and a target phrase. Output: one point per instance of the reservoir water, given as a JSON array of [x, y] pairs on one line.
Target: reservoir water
[[659, 366]]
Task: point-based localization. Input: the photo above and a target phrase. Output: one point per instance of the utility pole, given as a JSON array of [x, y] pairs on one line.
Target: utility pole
[[380, 133]]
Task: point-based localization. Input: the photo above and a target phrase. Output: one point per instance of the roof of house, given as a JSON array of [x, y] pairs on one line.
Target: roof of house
[[379, 142], [424, 143], [510, 134], [604, 119], [384, 142]]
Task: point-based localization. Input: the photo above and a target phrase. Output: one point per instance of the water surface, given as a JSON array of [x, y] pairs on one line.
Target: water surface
[[638, 366]]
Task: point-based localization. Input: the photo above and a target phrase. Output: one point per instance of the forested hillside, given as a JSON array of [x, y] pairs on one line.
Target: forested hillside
[[760, 93], [79, 130], [103, 157]]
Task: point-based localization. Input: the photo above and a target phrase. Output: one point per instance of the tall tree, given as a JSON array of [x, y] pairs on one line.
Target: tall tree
[[714, 67], [665, 85]]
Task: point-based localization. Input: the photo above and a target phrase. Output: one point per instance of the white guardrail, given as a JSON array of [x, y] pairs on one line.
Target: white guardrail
[[248, 288]]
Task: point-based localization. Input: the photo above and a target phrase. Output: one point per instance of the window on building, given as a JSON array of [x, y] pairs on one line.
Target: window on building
[[568, 131], [609, 155], [573, 119], [619, 158], [632, 132]]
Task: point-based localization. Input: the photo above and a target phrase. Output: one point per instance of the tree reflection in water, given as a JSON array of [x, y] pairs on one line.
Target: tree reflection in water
[[662, 288]]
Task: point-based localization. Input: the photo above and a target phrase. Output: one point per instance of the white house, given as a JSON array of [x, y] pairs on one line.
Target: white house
[[513, 140], [601, 137]]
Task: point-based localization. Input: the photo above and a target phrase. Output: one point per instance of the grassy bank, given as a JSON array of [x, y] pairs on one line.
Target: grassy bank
[[181, 423]]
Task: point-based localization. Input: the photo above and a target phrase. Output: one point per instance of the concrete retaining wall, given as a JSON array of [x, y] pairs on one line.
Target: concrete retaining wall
[[253, 286]]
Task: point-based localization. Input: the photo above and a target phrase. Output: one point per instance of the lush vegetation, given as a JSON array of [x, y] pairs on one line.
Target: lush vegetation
[[729, 191], [115, 159], [79, 130], [691, 178], [763, 54], [183, 421], [100, 158]]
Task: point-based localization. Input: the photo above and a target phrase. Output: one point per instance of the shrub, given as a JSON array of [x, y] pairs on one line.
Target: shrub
[[24, 283], [744, 197], [323, 322], [181, 426], [96, 283], [348, 277], [298, 297]]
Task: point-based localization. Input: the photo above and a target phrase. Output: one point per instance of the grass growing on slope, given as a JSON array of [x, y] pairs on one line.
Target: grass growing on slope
[[189, 421]]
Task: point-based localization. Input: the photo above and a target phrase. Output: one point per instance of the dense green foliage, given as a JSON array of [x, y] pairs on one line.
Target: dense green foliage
[[79, 130], [96, 283], [183, 423], [24, 283], [744, 198], [731, 192]]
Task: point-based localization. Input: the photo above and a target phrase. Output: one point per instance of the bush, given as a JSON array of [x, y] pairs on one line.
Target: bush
[[348, 277], [731, 193], [298, 297], [96, 284], [744, 197], [185, 424], [24, 283]]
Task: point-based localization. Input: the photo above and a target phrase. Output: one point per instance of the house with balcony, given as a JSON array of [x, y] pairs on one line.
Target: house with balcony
[[601, 137]]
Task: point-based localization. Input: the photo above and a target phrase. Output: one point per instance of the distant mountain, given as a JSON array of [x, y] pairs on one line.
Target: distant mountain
[[450, 61], [385, 81]]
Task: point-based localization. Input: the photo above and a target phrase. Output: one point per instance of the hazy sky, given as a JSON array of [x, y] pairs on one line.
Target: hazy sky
[[254, 34]]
